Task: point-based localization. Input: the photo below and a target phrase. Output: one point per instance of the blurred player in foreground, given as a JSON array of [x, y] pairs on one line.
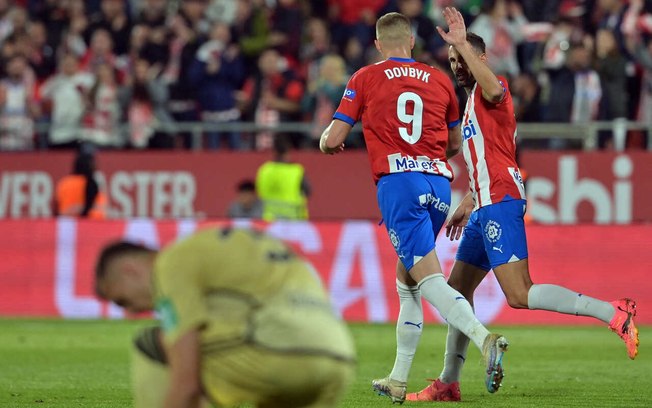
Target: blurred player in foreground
[[410, 121], [243, 319], [490, 218]]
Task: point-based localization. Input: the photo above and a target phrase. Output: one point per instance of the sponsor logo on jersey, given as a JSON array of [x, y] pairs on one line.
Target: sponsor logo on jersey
[[468, 131], [493, 231], [349, 94], [429, 199], [399, 163], [518, 180]]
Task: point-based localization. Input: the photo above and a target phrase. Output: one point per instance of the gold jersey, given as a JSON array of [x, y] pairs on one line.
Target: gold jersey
[[242, 287]]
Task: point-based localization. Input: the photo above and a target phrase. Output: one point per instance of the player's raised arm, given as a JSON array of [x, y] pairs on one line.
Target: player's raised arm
[[332, 138], [492, 90]]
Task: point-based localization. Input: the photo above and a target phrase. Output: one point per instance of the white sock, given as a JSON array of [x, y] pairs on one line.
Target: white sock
[[559, 299], [456, 345], [453, 307], [408, 330]]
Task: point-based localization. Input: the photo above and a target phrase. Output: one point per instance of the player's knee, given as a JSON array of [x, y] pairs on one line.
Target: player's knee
[[148, 343]]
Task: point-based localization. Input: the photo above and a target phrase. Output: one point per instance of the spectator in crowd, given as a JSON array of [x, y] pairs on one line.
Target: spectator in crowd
[[168, 35], [186, 38], [354, 54], [17, 106], [610, 15], [72, 30], [217, 72], [78, 194], [316, 44], [500, 24], [194, 14], [273, 96], [65, 93], [282, 186], [324, 94], [251, 30], [426, 40], [149, 43], [101, 122], [149, 36], [138, 41], [56, 18], [153, 13], [575, 92], [41, 55], [222, 11], [286, 29], [246, 204], [639, 45], [611, 67], [100, 52], [526, 97], [566, 31], [143, 100], [114, 19], [19, 21], [6, 23], [536, 10], [354, 20]]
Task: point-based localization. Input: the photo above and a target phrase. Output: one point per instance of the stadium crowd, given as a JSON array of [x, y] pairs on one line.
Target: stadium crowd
[[83, 70]]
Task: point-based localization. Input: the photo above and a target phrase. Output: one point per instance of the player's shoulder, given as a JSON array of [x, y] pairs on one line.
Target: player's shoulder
[[430, 68], [370, 69], [435, 72]]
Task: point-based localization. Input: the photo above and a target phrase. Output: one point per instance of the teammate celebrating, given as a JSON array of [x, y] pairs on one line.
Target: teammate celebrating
[[490, 218], [411, 126], [244, 320]]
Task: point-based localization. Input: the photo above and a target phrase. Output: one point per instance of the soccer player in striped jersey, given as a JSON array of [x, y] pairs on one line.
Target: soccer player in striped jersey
[[410, 122], [490, 218]]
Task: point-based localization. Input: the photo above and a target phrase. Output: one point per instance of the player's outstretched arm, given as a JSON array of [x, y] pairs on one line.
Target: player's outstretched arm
[[184, 389], [492, 90], [332, 139]]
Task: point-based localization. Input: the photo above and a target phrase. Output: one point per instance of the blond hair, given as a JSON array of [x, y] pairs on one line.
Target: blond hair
[[393, 28]]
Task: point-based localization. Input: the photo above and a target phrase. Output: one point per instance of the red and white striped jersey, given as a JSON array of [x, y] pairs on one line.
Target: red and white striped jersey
[[489, 148]]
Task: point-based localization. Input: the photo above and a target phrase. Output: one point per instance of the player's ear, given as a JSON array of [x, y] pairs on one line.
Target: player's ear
[[377, 44], [412, 41]]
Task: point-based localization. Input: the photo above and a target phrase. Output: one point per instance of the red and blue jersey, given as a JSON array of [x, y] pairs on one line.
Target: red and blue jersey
[[406, 109], [489, 148]]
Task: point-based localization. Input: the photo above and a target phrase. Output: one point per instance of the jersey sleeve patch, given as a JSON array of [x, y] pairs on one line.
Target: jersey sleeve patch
[[167, 314], [349, 94]]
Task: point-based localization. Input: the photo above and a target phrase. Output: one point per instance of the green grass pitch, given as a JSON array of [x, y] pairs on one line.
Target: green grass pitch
[[66, 364]]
